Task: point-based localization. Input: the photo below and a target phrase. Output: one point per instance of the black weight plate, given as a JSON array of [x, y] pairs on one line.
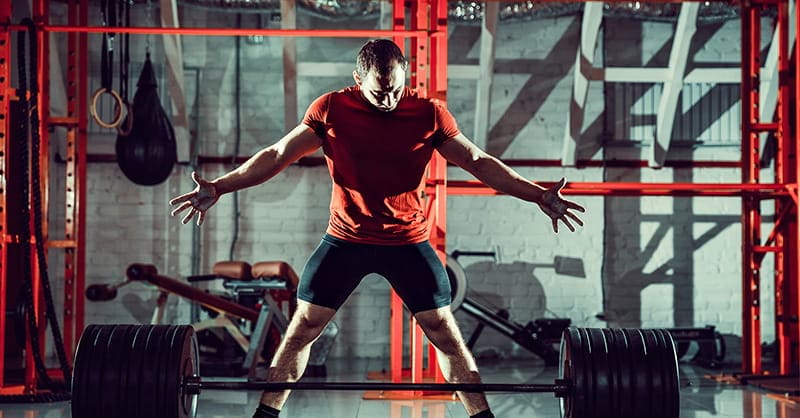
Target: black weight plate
[[95, 374], [190, 367], [565, 366], [112, 389], [164, 378], [623, 383], [126, 378], [138, 343], [188, 358], [149, 389], [169, 372], [653, 350], [573, 369], [589, 373], [655, 369], [176, 359], [639, 376], [81, 392], [613, 370], [602, 402], [670, 370]]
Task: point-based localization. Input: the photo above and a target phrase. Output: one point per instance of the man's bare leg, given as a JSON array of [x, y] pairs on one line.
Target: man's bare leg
[[291, 358], [455, 360]]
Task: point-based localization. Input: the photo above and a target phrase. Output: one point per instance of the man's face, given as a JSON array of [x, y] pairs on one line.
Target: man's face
[[383, 92]]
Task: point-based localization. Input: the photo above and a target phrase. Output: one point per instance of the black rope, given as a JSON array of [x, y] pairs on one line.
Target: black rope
[[38, 223], [109, 13], [124, 51], [29, 128]]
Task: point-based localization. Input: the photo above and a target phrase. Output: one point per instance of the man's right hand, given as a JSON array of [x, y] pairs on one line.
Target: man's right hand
[[198, 201]]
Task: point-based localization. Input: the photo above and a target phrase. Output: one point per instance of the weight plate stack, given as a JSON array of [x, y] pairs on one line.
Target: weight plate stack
[[131, 371], [621, 373]]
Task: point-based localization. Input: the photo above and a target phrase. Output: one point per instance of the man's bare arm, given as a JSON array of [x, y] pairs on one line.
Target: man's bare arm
[[270, 161], [259, 168], [497, 175]]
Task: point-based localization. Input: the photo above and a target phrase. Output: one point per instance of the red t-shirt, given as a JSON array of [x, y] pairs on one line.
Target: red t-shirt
[[377, 161]]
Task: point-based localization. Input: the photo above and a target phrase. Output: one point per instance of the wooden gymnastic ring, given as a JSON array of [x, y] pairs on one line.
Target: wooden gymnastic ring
[[117, 108], [125, 129]]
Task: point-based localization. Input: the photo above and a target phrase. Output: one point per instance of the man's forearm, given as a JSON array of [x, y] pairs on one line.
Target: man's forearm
[[495, 174], [257, 169]]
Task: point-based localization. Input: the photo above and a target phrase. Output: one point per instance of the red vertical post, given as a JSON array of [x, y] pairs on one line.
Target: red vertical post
[[438, 169], [793, 264], [5, 108], [42, 103], [399, 22], [75, 200], [420, 13], [751, 216], [80, 209], [397, 311], [783, 271]]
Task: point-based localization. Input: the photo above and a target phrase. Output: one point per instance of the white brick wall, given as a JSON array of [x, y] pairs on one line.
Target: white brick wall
[[655, 261]]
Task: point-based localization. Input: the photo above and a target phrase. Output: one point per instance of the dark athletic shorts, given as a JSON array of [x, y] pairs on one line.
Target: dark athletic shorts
[[336, 267]]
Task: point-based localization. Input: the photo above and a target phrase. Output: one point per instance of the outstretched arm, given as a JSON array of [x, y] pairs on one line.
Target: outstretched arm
[[259, 168], [495, 174]]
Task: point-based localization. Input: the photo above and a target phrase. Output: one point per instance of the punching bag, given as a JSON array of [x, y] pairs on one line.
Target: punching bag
[[148, 152]]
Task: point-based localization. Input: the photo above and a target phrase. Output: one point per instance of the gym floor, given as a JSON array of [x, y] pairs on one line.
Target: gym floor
[[700, 397]]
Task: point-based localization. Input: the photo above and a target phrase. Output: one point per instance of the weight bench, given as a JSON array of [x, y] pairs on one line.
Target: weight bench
[[255, 291]]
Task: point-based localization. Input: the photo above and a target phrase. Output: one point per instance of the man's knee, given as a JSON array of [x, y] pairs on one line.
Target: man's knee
[[441, 329], [307, 323]]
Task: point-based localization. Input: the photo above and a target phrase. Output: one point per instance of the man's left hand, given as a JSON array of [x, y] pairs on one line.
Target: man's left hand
[[558, 209]]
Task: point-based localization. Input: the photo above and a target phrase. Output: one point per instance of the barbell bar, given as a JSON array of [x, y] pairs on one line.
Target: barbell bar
[[195, 384], [138, 371]]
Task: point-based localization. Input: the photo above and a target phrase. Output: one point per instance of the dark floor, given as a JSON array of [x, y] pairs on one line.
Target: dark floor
[[700, 397]]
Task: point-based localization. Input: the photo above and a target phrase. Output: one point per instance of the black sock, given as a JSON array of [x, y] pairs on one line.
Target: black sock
[[483, 414], [265, 411]]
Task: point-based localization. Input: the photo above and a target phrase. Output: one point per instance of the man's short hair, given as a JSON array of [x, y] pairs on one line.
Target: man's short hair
[[378, 54]]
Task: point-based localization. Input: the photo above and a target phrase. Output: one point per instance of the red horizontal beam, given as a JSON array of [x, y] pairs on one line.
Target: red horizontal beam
[[314, 161], [290, 33], [467, 188], [621, 163]]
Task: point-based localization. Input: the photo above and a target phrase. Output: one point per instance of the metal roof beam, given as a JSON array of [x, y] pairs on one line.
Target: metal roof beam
[[684, 32], [584, 61]]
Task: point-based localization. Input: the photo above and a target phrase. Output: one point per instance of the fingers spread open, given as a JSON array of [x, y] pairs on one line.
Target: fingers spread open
[[182, 198], [567, 223], [575, 218], [186, 219], [573, 205], [181, 208], [560, 184], [200, 217]]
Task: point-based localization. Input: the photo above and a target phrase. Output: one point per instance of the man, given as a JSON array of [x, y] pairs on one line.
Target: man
[[378, 137]]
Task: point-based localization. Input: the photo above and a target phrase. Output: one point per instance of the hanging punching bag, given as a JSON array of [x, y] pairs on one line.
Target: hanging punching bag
[[148, 152]]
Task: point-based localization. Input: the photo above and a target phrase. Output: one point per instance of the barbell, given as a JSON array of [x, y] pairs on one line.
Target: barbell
[[138, 371]]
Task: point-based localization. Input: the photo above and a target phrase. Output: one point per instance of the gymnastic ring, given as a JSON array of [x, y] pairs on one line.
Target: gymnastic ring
[[117, 108], [125, 130]]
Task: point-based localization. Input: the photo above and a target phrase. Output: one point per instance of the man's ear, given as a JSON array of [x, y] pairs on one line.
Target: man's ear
[[356, 77]]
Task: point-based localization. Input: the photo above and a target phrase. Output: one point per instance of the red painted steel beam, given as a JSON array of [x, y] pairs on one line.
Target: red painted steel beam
[[782, 226], [792, 285], [316, 161], [5, 111], [286, 33], [82, 139], [751, 215], [467, 187], [396, 321]]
